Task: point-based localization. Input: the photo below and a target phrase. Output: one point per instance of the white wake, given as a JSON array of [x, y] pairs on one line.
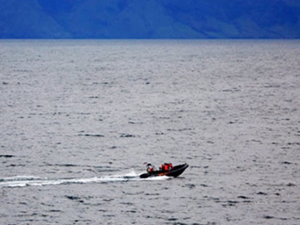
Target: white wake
[[23, 181]]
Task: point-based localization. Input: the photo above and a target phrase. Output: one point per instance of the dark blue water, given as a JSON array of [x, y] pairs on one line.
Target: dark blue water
[[79, 118]]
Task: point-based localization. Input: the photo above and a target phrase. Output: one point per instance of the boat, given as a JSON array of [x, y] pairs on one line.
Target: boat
[[174, 172]]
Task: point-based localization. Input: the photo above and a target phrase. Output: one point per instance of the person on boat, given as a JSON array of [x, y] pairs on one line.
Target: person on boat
[[166, 167], [150, 168]]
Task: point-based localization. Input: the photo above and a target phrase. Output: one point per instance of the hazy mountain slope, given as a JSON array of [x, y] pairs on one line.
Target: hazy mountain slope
[[149, 19], [26, 19]]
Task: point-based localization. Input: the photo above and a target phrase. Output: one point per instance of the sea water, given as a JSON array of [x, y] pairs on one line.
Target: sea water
[[78, 118]]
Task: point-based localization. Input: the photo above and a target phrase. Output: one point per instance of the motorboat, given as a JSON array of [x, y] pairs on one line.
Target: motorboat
[[171, 172]]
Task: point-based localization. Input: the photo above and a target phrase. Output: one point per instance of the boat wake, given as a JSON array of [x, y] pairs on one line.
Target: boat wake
[[24, 181]]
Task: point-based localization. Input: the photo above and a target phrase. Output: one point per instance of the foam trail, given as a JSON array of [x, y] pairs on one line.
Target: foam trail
[[158, 178], [12, 182], [19, 178], [23, 181]]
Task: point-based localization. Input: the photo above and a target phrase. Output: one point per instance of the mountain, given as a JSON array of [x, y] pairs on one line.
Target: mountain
[[149, 19]]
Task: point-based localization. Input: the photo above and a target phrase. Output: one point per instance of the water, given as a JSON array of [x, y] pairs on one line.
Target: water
[[78, 118]]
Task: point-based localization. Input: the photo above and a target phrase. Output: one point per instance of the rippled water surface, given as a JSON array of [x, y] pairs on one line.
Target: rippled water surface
[[79, 118]]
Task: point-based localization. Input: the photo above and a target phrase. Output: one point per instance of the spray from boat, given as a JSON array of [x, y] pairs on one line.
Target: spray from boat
[[24, 181]]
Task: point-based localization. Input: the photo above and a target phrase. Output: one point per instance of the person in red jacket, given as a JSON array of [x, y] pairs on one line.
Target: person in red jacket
[[166, 166]]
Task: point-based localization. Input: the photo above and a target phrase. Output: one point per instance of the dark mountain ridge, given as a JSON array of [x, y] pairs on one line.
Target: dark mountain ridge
[[149, 19]]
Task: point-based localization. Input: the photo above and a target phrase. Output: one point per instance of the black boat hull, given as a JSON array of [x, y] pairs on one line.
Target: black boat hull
[[174, 172]]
